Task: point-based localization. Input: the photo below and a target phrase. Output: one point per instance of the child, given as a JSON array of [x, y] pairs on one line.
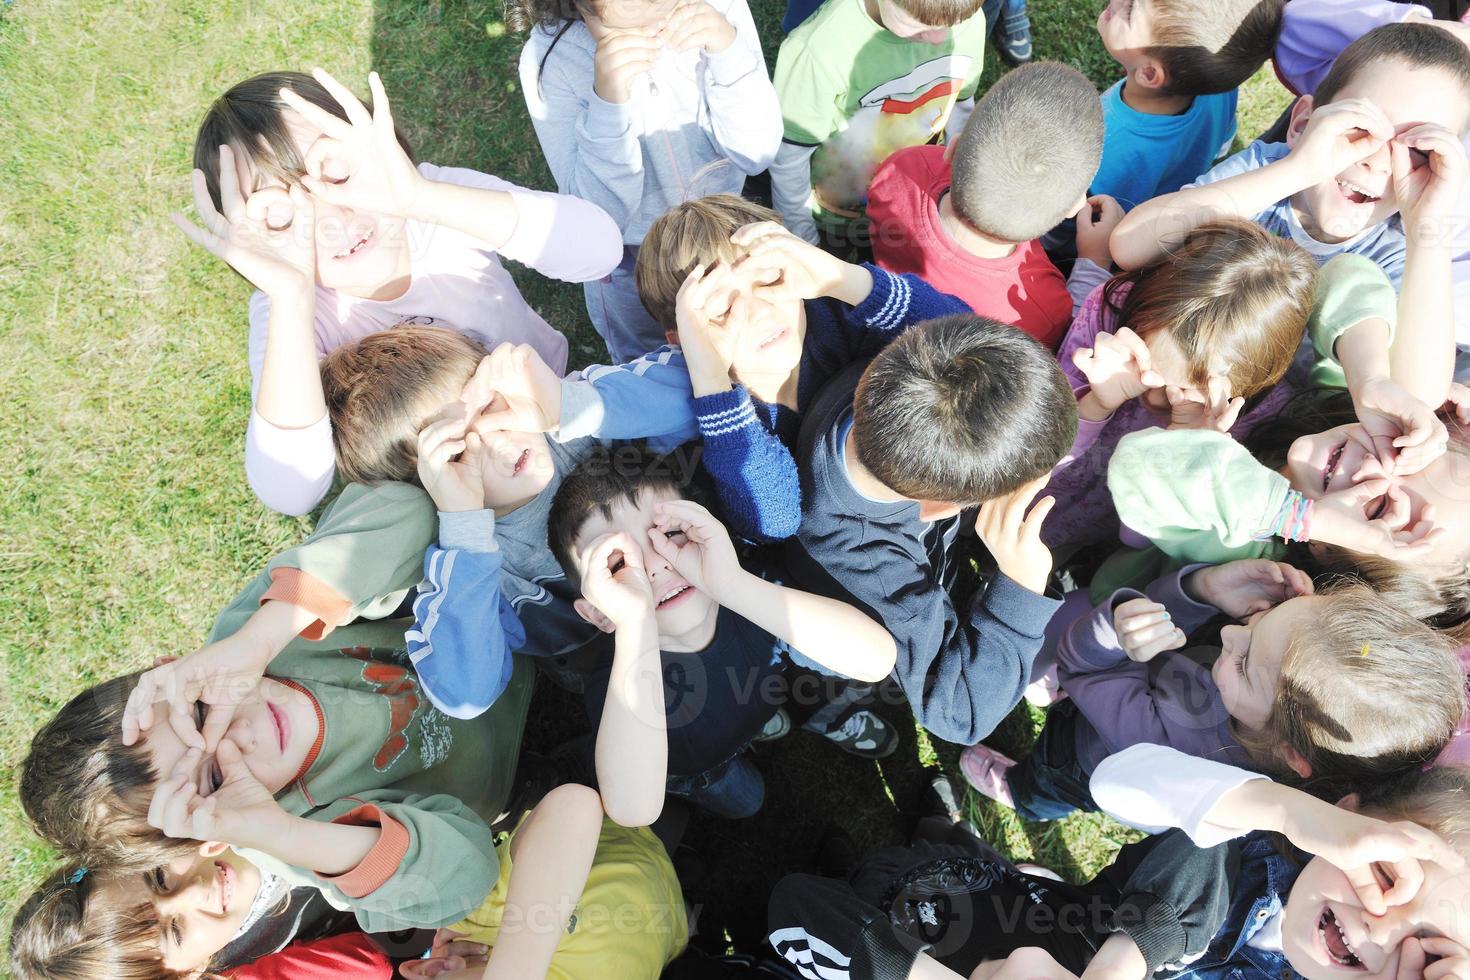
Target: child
[[639, 106], [858, 80], [957, 412], [697, 640], [763, 320], [1221, 316], [968, 217], [298, 733], [1338, 687], [319, 205], [1380, 135], [1165, 907], [617, 889], [1173, 113]]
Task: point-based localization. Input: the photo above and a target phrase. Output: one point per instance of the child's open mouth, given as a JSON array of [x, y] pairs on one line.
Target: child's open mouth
[[673, 595], [368, 237], [1330, 470], [1357, 194], [521, 461], [283, 727], [774, 338], [225, 876], [1339, 950]]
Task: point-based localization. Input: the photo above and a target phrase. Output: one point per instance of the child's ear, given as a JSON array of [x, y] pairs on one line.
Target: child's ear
[[672, 336], [1151, 75], [1296, 762], [1351, 802], [949, 151], [593, 615], [213, 848], [1301, 114]]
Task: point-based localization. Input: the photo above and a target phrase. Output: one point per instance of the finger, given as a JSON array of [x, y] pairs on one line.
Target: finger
[[205, 240], [181, 720], [382, 111], [1037, 516], [204, 204], [749, 234], [138, 712], [231, 202], [1411, 960], [1136, 347], [216, 722], [231, 761], [1365, 884], [1171, 639], [1228, 417], [325, 162], [357, 113], [271, 208], [317, 117], [662, 546]]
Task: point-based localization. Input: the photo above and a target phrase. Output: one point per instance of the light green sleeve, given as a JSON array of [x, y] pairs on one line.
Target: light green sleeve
[[1198, 496], [809, 95], [1350, 289], [368, 548]]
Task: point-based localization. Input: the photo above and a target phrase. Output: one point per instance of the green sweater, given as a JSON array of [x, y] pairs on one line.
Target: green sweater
[[386, 752], [1200, 496]]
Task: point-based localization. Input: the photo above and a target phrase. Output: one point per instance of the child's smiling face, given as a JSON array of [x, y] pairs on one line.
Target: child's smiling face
[[1248, 670], [274, 727], [1327, 934], [1126, 28], [201, 901]]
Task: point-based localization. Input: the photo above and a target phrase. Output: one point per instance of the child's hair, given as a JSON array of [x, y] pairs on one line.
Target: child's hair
[[250, 114], [522, 15], [1415, 45], [86, 792], [381, 389], [1367, 692], [1437, 799], [1232, 292], [962, 409], [1210, 46], [596, 485], [63, 933], [940, 13], [1028, 152], [691, 233]]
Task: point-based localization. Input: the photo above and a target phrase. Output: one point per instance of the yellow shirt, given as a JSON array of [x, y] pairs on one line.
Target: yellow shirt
[[629, 924]]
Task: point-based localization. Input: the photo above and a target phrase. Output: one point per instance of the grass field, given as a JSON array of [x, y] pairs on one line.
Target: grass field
[[125, 521]]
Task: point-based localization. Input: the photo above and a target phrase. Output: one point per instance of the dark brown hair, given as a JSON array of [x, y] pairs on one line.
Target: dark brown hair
[[250, 119], [382, 388], [1210, 46], [1413, 44], [1232, 292], [1028, 152]]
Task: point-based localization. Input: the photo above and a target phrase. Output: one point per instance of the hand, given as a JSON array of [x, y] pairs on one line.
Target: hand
[[214, 800], [456, 485], [708, 313], [1407, 435], [1429, 170], [269, 238], [454, 966], [1014, 536], [359, 164], [1452, 963], [1118, 368], [1341, 518], [1027, 963], [1240, 589], [1363, 847], [695, 24], [1145, 630], [621, 57], [1095, 224], [520, 392], [1337, 136], [449, 951], [221, 675], [1212, 409], [784, 266], [695, 544], [1458, 401], [615, 581]]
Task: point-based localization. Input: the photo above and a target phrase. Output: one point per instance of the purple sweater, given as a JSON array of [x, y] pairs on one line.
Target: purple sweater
[[1171, 700], [1084, 512]]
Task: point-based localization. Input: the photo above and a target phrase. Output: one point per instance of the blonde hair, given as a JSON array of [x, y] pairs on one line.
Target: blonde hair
[[380, 391], [1367, 692], [1437, 799], [689, 234], [1232, 292]]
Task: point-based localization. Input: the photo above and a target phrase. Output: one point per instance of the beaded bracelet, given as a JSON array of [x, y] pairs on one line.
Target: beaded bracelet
[[1294, 518]]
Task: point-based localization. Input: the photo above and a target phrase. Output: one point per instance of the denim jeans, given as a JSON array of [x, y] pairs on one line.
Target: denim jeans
[[1049, 783], [733, 790]]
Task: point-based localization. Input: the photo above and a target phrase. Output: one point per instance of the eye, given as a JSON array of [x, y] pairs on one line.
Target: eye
[[615, 562], [677, 537], [1383, 876], [156, 881], [176, 932], [216, 776], [200, 711], [1240, 664]]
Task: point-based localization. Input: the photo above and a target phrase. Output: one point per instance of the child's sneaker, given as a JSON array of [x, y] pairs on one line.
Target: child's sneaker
[[778, 726], [985, 769], [1013, 40], [942, 799], [862, 733]]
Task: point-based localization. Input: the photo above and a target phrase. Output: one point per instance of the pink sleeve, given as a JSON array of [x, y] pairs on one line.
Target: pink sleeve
[[1314, 32], [560, 236], [290, 470], [349, 956]]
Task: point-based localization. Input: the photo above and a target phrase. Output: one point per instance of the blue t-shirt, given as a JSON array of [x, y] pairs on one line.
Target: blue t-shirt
[[1383, 244], [1145, 155]]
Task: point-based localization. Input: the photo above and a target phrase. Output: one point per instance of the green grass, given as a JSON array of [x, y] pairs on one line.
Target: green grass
[[125, 521]]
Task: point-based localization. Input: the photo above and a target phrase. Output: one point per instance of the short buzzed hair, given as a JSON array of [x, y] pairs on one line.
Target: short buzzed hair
[[1028, 152], [1212, 46], [1414, 45], [940, 13]]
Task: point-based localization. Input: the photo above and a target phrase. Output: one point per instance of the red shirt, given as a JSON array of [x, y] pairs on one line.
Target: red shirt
[[1023, 288], [348, 956]]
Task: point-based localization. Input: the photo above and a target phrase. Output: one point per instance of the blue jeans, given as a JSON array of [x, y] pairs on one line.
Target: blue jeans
[[1050, 783], [733, 790]]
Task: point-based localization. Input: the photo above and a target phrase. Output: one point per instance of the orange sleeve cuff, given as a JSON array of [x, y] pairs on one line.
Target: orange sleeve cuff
[[381, 862], [292, 585]]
